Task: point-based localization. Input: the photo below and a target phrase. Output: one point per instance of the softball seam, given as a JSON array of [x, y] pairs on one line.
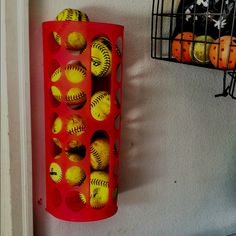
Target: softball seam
[[77, 129], [107, 42], [98, 206], [97, 157], [57, 37], [83, 177], [81, 16], [82, 198], [98, 99], [99, 182], [76, 68], [56, 73], [76, 98], [67, 14]]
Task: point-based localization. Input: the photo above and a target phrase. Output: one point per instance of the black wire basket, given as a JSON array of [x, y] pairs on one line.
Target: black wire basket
[[197, 32]]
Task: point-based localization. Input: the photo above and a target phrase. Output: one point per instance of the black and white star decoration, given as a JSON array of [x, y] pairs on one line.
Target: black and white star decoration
[[205, 3], [214, 17], [220, 23]]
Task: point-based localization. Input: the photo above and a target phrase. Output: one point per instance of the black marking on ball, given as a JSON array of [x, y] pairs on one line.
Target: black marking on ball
[[98, 99], [99, 182], [97, 157], [107, 59]]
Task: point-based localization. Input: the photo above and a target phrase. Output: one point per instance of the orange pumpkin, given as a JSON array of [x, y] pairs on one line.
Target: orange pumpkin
[[182, 53], [225, 56]]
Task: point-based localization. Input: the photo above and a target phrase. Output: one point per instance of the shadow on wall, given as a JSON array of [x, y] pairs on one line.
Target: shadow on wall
[[230, 193], [213, 233], [136, 117], [232, 181], [142, 117], [209, 233]]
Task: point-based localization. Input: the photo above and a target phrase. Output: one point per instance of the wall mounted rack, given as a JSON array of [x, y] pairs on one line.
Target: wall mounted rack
[[197, 32]]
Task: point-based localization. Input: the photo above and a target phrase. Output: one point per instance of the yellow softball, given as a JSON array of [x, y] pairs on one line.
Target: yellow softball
[[75, 175], [101, 59], [69, 14], [75, 151], [100, 105], [56, 75], [56, 93], [82, 198], [99, 154], [75, 40], [76, 125], [75, 98], [55, 172], [75, 73], [57, 125], [99, 189]]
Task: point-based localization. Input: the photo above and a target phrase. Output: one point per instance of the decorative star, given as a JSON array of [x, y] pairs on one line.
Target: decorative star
[[188, 13], [203, 2], [187, 16], [220, 24]]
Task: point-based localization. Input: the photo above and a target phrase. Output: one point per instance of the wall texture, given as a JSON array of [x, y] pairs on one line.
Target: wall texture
[[178, 165], [15, 167]]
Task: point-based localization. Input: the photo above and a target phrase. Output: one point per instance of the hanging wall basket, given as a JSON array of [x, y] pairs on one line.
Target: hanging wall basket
[[196, 32]]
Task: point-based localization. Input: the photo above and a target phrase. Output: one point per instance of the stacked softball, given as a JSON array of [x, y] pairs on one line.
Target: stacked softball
[[75, 98], [101, 53], [100, 105], [74, 175], [99, 180], [73, 125], [75, 40], [99, 189]]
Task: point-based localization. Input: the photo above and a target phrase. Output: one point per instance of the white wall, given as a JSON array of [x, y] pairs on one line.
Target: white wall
[[16, 165], [178, 166]]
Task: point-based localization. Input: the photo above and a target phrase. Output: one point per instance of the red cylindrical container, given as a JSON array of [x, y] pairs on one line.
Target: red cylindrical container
[[76, 190]]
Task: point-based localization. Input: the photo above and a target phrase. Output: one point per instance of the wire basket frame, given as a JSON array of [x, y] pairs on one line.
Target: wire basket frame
[[197, 32]]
